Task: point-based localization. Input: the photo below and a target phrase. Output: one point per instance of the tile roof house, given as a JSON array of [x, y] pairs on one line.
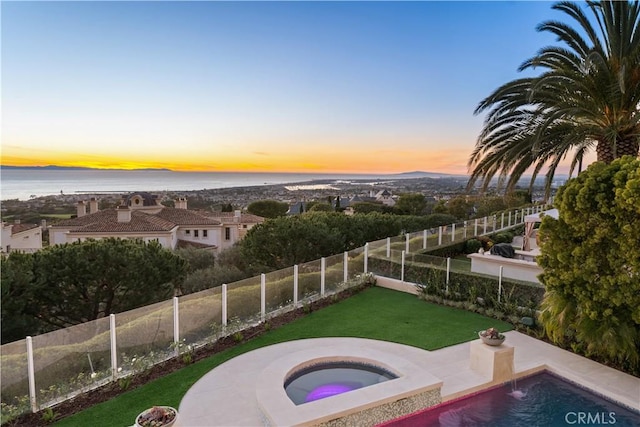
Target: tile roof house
[[238, 219], [385, 197], [20, 237], [142, 216]]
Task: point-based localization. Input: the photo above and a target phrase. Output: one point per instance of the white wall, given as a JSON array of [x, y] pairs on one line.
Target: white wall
[[213, 235], [29, 239], [6, 236], [511, 268]]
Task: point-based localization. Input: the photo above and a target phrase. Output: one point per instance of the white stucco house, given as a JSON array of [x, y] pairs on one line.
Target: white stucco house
[[385, 197], [141, 216], [20, 237]]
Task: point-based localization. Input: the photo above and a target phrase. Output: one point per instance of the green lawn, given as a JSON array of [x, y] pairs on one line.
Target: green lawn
[[57, 216], [375, 313]]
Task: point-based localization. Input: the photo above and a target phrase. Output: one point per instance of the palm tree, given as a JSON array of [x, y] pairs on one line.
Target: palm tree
[[586, 98]]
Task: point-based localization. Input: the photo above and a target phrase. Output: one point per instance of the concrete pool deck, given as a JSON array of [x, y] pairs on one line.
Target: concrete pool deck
[[229, 394]]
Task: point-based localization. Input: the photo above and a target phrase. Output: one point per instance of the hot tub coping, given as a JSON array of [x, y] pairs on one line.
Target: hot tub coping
[[279, 410]]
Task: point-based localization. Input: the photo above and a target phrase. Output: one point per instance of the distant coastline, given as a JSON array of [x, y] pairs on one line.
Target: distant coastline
[[24, 183], [78, 168], [412, 174]]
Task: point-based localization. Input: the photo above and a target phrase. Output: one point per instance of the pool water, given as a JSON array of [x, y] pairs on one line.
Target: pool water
[[540, 400], [329, 379]]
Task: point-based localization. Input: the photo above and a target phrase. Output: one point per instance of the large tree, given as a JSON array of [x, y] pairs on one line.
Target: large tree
[[82, 281], [411, 204], [268, 208], [591, 263], [586, 98], [283, 242], [17, 308]]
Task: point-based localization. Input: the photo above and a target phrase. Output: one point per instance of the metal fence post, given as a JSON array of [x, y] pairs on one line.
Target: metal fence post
[[502, 221], [485, 225], [32, 376], [224, 304], [114, 350], [439, 235], [500, 284], [388, 247], [448, 272], [295, 285], [176, 324], [424, 239], [263, 296], [465, 231], [453, 232], [475, 227], [345, 267], [402, 268], [323, 267], [366, 258]]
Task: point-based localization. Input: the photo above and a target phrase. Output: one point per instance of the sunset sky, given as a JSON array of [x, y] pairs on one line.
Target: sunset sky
[[349, 87]]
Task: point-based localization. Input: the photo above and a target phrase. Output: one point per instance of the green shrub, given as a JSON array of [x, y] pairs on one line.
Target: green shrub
[[449, 251], [472, 246], [503, 237]]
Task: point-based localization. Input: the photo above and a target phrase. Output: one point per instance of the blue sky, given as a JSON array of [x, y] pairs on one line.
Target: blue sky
[[364, 87]]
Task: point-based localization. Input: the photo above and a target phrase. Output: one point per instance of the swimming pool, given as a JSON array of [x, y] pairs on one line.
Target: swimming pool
[[540, 400]]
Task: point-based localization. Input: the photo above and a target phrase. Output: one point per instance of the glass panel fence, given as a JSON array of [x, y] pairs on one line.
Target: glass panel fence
[[459, 232], [309, 277], [416, 241], [391, 267], [144, 337], [334, 272], [200, 316], [398, 243], [70, 360], [461, 265], [378, 245], [426, 260], [243, 302], [279, 289], [355, 263], [432, 238], [14, 380]]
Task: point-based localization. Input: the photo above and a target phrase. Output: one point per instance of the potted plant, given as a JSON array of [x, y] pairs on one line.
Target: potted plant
[[157, 416], [492, 336]]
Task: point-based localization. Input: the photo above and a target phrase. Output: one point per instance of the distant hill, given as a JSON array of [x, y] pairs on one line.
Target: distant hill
[[422, 174], [77, 168]]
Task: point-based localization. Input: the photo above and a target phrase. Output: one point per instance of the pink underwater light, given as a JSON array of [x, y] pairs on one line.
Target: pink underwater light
[[327, 390]]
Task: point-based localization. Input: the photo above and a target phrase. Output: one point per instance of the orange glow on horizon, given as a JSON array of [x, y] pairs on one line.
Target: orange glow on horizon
[[340, 163]]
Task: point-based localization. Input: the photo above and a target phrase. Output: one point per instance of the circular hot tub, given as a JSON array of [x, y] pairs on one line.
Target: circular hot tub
[[328, 379]]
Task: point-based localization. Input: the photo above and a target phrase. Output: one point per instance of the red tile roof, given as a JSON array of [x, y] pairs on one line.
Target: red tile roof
[[106, 221], [19, 228]]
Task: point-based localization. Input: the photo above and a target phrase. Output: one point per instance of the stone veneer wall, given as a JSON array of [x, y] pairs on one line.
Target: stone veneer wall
[[388, 411]]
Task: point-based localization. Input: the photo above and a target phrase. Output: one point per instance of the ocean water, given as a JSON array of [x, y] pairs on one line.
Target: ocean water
[[24, 184]]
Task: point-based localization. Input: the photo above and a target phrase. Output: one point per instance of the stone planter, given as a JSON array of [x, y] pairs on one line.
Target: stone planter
[[491, 341], [158, 416]]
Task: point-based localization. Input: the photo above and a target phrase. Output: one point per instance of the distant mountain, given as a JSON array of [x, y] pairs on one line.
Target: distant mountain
[[77, 168], [422, 174]]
